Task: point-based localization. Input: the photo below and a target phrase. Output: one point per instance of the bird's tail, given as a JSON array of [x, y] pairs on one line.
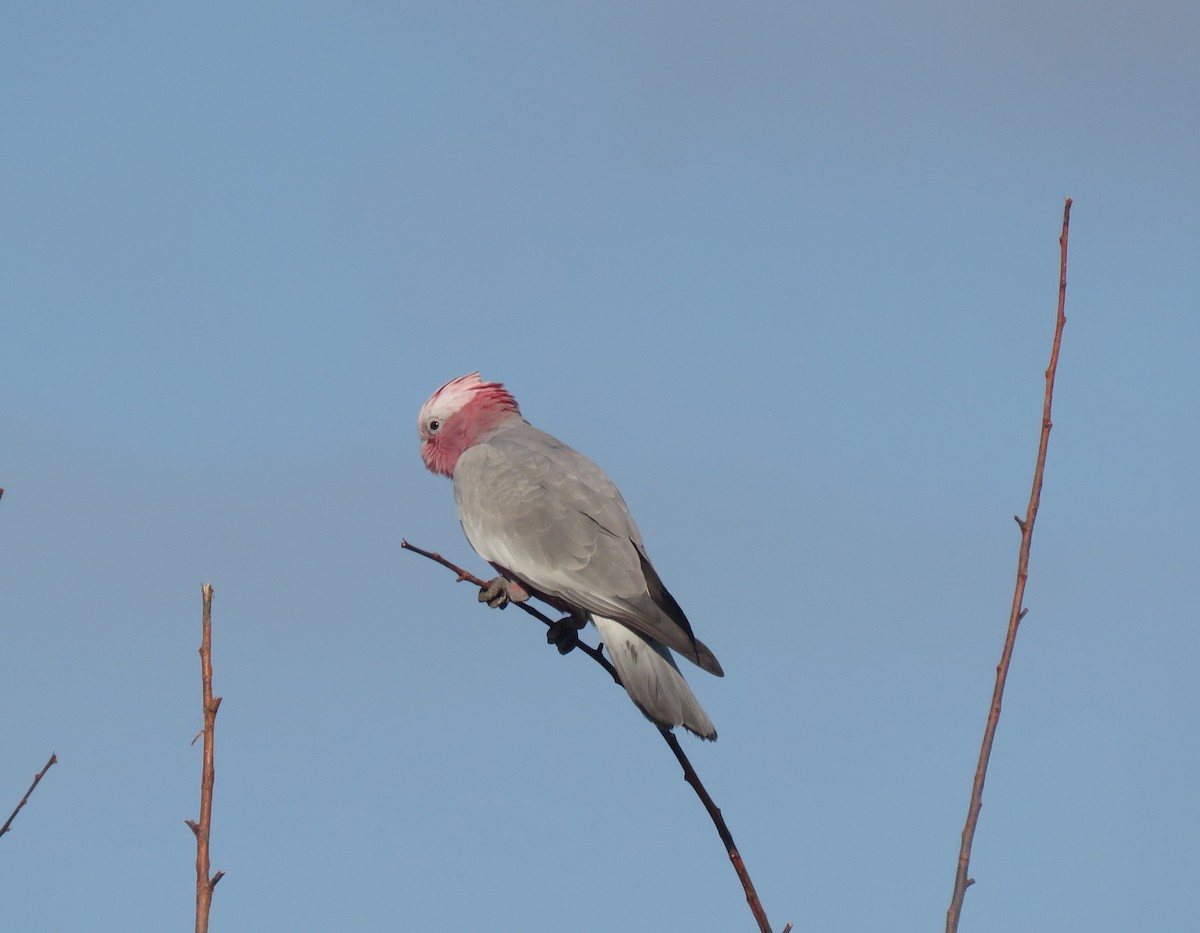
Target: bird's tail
[[652, 679]]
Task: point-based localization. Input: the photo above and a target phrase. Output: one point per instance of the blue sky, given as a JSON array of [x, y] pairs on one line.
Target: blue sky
[[786, 271]]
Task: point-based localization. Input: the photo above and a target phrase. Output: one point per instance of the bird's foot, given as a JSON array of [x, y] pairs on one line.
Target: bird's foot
[[564, 634], [501, 591]]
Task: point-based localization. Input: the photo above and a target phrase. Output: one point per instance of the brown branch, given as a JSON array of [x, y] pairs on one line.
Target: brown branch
[[714, 812], [36, 780], [205, 884], [689, 773], [962, 881]]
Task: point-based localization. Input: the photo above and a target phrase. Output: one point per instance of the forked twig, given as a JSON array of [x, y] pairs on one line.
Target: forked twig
[[202, 829], [36, 780], [962, 880], [689, 773]]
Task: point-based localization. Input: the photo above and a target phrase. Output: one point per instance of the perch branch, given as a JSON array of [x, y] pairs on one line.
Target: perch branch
[[36, 780], [465, 576], [962, 880], [689, 773], [205, 884]]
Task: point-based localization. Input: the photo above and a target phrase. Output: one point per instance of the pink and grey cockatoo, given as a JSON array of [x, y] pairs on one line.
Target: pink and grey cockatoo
[[555, 527]]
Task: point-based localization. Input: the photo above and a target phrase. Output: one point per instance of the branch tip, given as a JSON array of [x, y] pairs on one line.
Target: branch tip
[[37, 779], [202, 828], [1017, 612]]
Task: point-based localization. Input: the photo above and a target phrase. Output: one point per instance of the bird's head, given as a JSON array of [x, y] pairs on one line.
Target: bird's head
[[459, 415]]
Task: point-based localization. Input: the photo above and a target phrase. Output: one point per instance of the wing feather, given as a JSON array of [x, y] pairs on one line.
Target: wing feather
[[550, 516]]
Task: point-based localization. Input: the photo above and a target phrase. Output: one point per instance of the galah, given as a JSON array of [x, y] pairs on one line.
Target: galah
[[554, 526]]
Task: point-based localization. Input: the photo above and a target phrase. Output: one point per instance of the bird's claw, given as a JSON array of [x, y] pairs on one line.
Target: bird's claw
[[501, 591], [564, 634]]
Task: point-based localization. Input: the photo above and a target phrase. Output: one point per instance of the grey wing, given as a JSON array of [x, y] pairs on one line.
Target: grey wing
[[549, 515]]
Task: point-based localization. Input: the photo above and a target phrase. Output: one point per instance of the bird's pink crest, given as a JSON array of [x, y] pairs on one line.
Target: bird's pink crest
[[458, 393], [459, 415]]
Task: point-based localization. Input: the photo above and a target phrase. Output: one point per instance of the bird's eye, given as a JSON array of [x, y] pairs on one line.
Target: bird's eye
[[434, 425]]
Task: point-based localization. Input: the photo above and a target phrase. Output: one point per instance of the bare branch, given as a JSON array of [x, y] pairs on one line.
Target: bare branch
[[689, 772], [203, 828], [962, 881], [714, 813], [36, 780]]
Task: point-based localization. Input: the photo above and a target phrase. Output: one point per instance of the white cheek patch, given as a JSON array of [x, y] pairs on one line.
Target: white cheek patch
[[441, 408]]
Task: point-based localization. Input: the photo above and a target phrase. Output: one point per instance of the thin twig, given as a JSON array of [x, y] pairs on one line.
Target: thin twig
[[962, 881], [689, 773], [202, 829], [36, 780], [714, 812]]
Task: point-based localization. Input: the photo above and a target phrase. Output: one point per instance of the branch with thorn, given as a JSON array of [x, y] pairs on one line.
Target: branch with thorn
[[689, 772], [962, 881], [203, 828], [37, 779]]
